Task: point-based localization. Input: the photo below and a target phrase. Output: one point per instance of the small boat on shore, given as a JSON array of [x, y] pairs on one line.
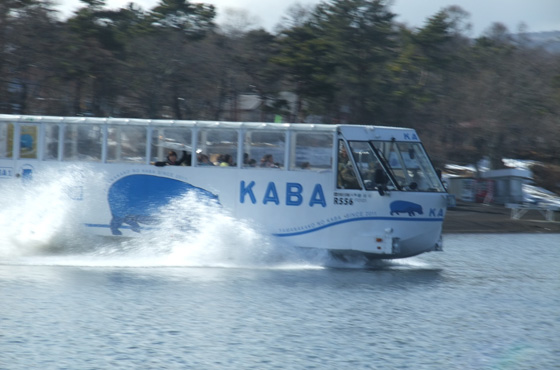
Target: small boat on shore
[[368, 190]]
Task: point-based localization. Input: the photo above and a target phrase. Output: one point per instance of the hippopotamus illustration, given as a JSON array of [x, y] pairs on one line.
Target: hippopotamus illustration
[[134, 199], [402, 206]]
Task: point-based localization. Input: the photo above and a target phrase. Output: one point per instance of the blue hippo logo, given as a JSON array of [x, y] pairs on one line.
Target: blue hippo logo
[[402, 206], [135, 199]]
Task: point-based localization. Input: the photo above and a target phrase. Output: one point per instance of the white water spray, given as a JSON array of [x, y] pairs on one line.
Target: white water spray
[[40, 223], [35, 213], [197, 232]]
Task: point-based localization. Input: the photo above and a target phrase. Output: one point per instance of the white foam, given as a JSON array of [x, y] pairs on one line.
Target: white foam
[[39, 226], [34, 213], [199, 233]]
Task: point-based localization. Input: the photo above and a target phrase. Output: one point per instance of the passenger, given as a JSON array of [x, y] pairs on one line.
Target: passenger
[[346, 175], [226, 160], [215, 159], [203, 160], [252, 162], [171, 159], [267, 161], [187, 158], [348, 178], [305, 166]]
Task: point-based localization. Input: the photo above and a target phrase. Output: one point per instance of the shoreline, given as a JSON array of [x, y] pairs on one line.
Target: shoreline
[[478, 218]]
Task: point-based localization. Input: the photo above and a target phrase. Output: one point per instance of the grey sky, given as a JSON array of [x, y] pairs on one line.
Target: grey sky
[[537, 15]]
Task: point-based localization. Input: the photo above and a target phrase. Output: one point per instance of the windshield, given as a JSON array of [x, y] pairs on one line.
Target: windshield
[[409, 165], [370, 167]]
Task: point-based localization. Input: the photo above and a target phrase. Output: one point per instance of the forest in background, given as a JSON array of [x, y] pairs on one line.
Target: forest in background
[[345, 61]]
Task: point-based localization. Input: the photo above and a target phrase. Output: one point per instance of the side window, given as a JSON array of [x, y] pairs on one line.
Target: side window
[[346, 173], [82, 143], [264, 149], [217, 147], [126, 144], [167, 140], [51, 142], [313, 151]]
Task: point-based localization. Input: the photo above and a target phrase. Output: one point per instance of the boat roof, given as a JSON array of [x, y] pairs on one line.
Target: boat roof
[[356, 131], [164, 122]]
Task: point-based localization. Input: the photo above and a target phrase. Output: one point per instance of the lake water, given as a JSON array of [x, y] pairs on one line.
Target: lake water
[[235, 300]]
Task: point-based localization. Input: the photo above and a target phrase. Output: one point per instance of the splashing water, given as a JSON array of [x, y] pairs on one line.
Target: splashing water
[[33, 214], [193, 231], [40, 223]]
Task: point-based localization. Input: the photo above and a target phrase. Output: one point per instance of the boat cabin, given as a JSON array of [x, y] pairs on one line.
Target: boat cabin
[[364, 157]]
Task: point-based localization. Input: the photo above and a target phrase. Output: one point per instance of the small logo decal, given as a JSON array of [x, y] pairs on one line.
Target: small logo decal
[[402, 206]]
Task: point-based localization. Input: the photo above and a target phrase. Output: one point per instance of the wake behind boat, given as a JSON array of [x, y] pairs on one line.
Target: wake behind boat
[[367, 190]]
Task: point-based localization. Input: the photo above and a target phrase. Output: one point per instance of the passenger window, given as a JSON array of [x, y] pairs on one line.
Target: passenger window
[[166, 140], [126, 144], [218, 146], [83, 142], [51, 142], [313, 151], [264, 149]]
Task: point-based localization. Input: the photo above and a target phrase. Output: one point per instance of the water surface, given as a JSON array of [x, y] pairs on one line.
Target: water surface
[[242, 302]]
